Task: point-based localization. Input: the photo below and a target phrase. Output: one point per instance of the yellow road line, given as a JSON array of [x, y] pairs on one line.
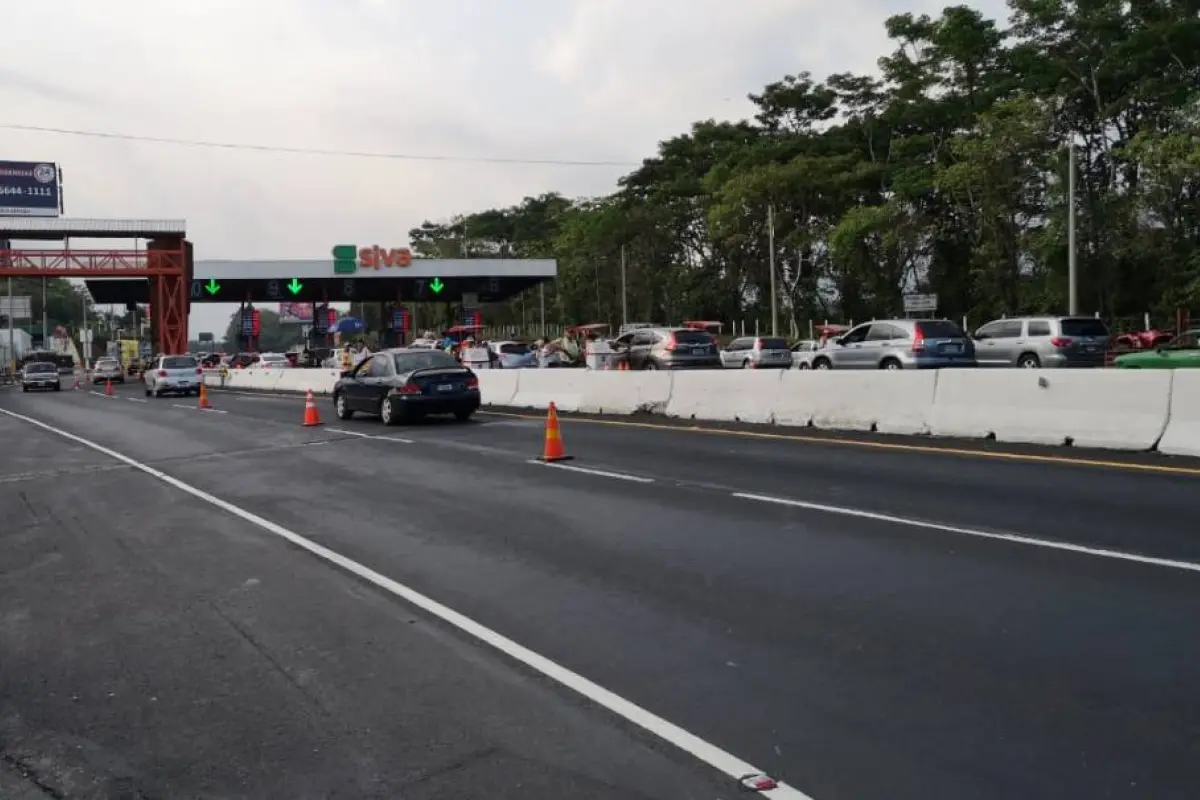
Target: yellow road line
[[1028, 458]]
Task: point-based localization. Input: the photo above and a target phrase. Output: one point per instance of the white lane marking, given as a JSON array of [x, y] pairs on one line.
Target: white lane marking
[[198, 408], [621, 476], [102, 394], [137, 400], [710, 754], [1119, 555], [345, 432]]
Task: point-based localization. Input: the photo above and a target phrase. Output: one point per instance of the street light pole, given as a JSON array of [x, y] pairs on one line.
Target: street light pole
[[771, 264], [1072, 273], [624, 294]]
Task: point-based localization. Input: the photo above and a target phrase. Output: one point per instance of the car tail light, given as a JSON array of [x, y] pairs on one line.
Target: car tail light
[[199, 371], [162, 373], [1060, 341], [472, 382], [671, 344], [410, 388], [918, 341]]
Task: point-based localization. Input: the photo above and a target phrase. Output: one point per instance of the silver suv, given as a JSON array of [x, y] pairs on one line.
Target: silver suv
[[668, 348], [757, 352], [1033, 342], [898, 344], [178, 374]]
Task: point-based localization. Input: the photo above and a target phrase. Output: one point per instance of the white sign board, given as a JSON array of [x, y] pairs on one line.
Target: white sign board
[[920, 303], [16, 307]]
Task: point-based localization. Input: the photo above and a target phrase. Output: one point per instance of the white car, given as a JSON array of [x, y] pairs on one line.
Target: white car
[[175, 374], [271, 361]]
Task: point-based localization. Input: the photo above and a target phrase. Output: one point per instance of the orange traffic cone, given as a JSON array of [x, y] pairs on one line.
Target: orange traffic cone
[[204, 397], [311, 417], [108, 388], [553, 449]]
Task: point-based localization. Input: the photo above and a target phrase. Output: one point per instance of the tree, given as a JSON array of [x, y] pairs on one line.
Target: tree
[[274, 337]]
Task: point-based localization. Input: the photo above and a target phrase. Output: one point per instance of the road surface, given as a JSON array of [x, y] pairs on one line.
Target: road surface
[[855, 620]]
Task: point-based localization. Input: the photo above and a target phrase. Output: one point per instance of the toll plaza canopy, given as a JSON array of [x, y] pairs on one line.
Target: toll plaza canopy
[[352, 274]]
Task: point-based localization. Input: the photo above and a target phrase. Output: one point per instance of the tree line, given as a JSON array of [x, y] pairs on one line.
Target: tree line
[[946, 173]]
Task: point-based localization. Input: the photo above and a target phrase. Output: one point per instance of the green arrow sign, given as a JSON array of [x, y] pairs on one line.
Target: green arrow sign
[[295, 286], [213, 287], [436, 285]]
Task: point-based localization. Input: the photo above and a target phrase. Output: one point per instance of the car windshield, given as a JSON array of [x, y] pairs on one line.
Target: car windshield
[[772, 344], [179, 362], [41, 368], [106, 362], [514, 349], [433, 359]]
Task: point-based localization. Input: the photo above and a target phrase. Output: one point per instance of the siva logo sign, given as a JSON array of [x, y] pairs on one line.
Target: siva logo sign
[[349, 259]]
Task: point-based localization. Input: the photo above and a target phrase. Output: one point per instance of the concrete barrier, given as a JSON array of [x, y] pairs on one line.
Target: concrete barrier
[[853, 400], [724, 395], [498, 387], [1116, 409], [1182, 436]]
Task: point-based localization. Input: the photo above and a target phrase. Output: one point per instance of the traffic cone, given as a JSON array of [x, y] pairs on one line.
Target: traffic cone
[[311, 417], [108, 388], [204, 397], [553, 449]]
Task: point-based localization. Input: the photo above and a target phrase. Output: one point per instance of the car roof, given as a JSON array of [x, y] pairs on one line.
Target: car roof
[[400, 350]]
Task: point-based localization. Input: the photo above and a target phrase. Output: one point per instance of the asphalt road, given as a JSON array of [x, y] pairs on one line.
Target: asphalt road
[[861, 622]]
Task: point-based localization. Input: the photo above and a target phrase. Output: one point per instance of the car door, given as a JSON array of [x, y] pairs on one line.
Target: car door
[[381, 381], [880, 338], [355, 386], [848, 354], [733, 356], [990, 346], [639, 348]]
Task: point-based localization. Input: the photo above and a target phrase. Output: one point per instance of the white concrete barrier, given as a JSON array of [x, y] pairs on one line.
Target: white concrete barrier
[[1116, 409], [498, 387], [1182, 436], [537, 388], [852, 400], [724, 395], [623, 392]]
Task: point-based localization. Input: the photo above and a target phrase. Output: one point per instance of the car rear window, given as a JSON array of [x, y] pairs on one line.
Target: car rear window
[[940, 329], [514, 349], [106, 362], [179, 362], [1086, 326], [433, 359], [41, 368], [772, 344], [693, 337]]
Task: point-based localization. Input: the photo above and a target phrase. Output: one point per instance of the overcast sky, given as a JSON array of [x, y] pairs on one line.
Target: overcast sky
[[596, 80]]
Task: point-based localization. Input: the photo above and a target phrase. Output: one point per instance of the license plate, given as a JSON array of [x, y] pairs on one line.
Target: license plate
[[445, 387], [699, 351], [1091, 348], [952, 348]]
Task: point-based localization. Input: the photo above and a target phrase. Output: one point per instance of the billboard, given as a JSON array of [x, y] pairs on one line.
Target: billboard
[[295, 313], [29, 189]]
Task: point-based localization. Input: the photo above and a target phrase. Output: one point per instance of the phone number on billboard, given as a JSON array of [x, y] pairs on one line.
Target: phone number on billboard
[[27, 191]]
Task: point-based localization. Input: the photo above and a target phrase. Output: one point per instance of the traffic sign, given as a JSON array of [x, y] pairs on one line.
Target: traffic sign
[[436, 285], [295, 286], [212, 287]]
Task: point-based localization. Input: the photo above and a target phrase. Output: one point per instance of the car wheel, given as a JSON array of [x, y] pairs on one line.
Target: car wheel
[[387, 411], [463, 415], [804, 365], [340, 408], [147, 391], [650, 365], [24, 388], [822, 363], [1029, 361], [891, 363], [746, 364], [58, 387]]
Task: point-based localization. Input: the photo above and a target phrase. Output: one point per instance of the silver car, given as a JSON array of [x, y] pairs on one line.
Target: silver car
[[757, 352], [40, 375], [177, 374], [108, 369], [1033, 342], [898, 344]]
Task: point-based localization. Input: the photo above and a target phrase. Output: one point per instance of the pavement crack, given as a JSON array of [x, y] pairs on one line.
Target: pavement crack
[[21, 477], [27, 773], [247, 637], [460, 763], [248, 451]]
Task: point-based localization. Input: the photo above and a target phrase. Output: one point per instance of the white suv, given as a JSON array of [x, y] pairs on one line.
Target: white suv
[[181, 374]]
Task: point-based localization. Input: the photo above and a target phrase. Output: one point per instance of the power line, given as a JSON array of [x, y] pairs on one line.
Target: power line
[[307, 151]]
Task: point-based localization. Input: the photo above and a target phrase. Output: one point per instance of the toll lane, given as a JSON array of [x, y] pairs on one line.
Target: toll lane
[[852, 657]]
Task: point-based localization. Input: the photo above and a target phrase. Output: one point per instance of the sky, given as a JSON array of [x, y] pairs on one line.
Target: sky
[[581, 80]]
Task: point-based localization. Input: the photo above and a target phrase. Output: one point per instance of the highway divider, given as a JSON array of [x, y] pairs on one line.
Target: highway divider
[[1115, 409]]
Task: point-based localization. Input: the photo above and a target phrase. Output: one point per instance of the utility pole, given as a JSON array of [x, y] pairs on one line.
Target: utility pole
[[542, 303], [624, 293], [45, 333], [771, 264], [1072, 273], [12, 353]]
